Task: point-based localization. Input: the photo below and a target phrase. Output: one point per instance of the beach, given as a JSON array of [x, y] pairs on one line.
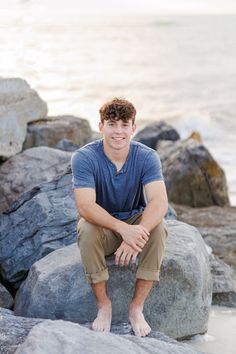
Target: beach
[[180, 69], [220, 337]]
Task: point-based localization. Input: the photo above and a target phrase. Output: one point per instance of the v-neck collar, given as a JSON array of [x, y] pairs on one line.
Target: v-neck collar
[[124, 166]]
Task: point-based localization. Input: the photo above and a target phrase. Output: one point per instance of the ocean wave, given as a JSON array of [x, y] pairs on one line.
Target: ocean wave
[[200, 121]]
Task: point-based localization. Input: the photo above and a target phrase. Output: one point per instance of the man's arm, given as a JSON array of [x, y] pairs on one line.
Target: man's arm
[[154, 212], [157, 204], [134, 235], [88, 208]]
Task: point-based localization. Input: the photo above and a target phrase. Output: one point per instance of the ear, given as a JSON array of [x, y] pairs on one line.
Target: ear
[[134, 126], [100, 126]]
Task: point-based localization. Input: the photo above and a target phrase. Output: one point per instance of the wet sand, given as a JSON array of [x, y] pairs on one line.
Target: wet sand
[[221, 335]]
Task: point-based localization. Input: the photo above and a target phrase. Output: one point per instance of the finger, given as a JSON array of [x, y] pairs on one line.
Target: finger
[[122, 259], [136, 248], [146, 232], [134, 257], [117, 260], [118, 254], [127, 259], [140, 244], [145, 237], [141, 241]]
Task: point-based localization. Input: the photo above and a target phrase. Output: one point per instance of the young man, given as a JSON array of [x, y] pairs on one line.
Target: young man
[[121, 198]]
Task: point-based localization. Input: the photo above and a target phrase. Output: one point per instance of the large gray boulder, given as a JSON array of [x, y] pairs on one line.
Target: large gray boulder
[[41, 221], [192, 176], [6, 299], [179, 306], [19, 104], [224, 283], [51, 130], [13, 330], [217, 226], [74, 338], [155, 132], [26, 170]]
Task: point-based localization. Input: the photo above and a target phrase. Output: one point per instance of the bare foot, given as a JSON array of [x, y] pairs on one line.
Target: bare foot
[[140, 327], [102, 322]]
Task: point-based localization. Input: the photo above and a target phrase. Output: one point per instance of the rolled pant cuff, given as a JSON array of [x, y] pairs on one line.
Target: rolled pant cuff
[[97, 277], [145, 274]]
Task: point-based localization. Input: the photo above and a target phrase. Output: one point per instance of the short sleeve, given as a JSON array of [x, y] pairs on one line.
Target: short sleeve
[[82, 170], [152, 170]]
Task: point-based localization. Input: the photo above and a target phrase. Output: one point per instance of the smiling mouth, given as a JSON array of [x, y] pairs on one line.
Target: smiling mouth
[[118, 139]]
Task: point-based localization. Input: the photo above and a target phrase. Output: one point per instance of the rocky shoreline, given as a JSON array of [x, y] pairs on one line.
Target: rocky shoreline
[[43, 292]]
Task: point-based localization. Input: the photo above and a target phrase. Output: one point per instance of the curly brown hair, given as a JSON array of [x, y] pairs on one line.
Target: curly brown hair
[[117, 108]]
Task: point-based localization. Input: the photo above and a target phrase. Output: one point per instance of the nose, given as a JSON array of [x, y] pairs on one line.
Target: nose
[[118, 129]]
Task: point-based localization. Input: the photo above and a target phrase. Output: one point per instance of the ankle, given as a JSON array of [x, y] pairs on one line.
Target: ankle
[[104, 303], [136, 306]]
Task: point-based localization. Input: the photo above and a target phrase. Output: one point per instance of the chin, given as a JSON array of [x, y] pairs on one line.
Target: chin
[[120, 145]]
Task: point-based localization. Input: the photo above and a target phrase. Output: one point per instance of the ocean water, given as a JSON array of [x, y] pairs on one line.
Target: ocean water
[[180, 69]]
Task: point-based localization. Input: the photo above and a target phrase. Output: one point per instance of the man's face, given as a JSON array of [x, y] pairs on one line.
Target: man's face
[[117, 133]]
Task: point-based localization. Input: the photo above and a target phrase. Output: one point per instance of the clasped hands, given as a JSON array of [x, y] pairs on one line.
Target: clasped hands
[[134, 239]]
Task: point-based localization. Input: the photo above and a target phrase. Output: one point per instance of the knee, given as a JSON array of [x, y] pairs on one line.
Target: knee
[[159, 233], [88, 234]]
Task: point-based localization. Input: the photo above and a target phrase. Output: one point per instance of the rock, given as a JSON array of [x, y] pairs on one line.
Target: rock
[[196, 136], [6, 299], [75, 338], [51, 130], [24, 171], [67, 145], [224, 283], [179, 306], [217, 226], [13, 330], [41, 221], [191, 174], [96, 136], [19, 104], [123, 328], [155, 132], [171, 213]]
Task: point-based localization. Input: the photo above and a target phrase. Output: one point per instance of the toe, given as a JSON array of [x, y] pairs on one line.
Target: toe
[[143, 332], [138, 332]]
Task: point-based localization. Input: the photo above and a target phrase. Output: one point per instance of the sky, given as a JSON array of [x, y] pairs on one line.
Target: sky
[[128, 7]]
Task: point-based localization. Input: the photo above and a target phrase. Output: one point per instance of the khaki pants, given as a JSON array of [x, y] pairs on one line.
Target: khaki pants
[[96, 242]]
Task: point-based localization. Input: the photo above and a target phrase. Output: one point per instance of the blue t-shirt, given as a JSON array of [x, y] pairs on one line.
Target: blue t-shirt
[[120, 193]]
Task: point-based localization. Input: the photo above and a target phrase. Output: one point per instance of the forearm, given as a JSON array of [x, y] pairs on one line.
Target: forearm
[[153, 214], [134, 235], [97, 215]]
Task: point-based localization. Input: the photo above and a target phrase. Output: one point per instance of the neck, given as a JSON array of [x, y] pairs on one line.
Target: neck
[[116, 155]]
